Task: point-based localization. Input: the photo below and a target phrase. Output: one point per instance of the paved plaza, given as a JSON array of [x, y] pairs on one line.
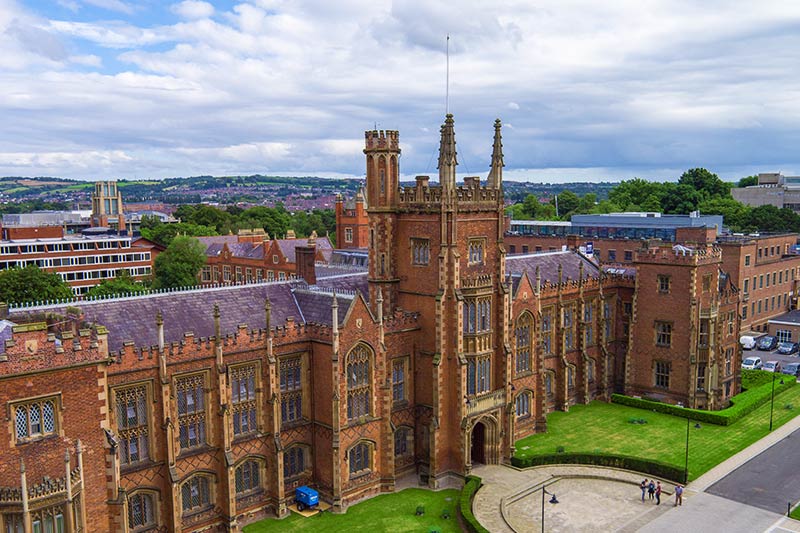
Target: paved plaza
[[595, 499]]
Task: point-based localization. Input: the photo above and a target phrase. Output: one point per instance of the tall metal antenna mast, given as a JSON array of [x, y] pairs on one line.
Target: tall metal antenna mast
[[447, 79]]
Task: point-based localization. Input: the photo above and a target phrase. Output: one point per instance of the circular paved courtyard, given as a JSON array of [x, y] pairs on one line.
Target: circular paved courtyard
[[585, 505]]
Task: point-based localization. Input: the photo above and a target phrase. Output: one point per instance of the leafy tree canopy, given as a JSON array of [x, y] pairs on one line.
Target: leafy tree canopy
[[164, 233], [179, 264], [748, 181], [31, 284], [123, 283]]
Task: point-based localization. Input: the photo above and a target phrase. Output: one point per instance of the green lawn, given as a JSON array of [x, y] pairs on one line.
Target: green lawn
[[387, 512], [604, 427]]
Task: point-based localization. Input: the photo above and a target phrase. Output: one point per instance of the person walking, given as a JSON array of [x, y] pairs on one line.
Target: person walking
[[643, 486], [658, 493], [651, 490], [678, 495]]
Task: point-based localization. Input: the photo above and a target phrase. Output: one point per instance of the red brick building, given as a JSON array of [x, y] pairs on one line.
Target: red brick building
[[252, 256], [352, 222], [219, 402]]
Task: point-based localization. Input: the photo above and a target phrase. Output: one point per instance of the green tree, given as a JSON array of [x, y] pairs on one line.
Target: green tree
[[31, 284], [748, 181], [680, 198], [179, 264], [735, 214], [164, 233], [708, 184], [517, 212], [629, 195], [587, 203], [568, 202], [150, 222], [123, 283]]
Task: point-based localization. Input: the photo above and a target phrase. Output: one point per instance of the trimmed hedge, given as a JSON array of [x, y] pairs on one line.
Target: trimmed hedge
[[741, 404], [473, 483], [654, 468]]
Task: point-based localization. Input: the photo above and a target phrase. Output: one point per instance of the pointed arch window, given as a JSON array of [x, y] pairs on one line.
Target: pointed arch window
[[358, 382], [522, 334]]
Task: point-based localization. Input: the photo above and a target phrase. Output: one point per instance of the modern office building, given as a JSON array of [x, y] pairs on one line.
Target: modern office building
[[773, 188]]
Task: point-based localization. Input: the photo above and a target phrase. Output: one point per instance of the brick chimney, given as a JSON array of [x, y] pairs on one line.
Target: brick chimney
[[305, 257]]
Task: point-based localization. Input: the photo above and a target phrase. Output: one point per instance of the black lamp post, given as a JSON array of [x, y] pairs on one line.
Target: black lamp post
[[772, 401], [686, 463], [552, 500]]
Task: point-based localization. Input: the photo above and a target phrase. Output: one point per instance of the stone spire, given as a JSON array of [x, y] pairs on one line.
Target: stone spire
[[447, 155], [496, 173]]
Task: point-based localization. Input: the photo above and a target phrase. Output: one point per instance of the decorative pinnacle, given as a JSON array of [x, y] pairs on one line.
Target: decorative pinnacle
[[496, 173], [159, 318], [216, 310], [448, 159]]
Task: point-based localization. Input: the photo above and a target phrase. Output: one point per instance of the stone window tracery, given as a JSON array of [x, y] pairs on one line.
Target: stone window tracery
[[133, 424], [243, 399], [358, 382], [191, 410]]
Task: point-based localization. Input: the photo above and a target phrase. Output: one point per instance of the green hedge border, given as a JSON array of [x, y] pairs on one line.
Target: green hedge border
[[654, 468], [741, 404], [471, 486]]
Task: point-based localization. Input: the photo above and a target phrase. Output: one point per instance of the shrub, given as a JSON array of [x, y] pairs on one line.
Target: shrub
[[560, 449], [654, 468], [473, 483], [741, 404]]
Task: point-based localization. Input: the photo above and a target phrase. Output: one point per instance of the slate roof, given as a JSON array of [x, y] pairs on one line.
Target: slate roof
[[133, 319], [255, 250], [548, 263], [792, 317]]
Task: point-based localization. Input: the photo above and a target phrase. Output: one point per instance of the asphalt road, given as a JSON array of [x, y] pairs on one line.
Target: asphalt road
[[767, 481]]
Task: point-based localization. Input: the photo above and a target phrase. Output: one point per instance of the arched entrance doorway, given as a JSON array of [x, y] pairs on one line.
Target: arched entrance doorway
[[478, 445]]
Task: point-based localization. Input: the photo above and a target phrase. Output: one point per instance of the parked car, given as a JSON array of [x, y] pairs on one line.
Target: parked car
[[772, 366], [306, 498], [747, 342], [767, 343], [787, 348], [752, 363], [792, 369]]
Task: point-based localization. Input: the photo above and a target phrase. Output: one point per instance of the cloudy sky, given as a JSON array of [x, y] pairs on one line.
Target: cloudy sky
[[586, 90]]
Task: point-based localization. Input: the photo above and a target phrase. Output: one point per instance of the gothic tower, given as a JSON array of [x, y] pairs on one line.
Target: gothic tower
[[438, 250]]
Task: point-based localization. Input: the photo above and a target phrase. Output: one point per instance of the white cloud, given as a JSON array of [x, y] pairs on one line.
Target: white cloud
[[193, 9], [292, 85]]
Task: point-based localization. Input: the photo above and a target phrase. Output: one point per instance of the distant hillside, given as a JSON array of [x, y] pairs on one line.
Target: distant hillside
[[256, 189]]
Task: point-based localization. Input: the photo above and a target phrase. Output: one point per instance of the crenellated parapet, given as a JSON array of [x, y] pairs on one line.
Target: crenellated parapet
[[401, 320], [46, 489], [53, 342], [133, 357], [680, 255], [382, 140]]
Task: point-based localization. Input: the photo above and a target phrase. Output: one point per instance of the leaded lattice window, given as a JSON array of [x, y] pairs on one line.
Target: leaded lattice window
[[420, 251], [358, 382], [34, 419], [523, 337], [132, 424], [291, 389], [662, 371], [248, 476], [477, 315], [195, 494], [475, 251], [609, 321], [48, 520], [479, 370], [141, 512], [523, 404], [359, 459], [243, 399], [398, 381], [664, 334], [588, 320], [547, 332], [294, 461], [191, 410], [401, 440], [14, 523]]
